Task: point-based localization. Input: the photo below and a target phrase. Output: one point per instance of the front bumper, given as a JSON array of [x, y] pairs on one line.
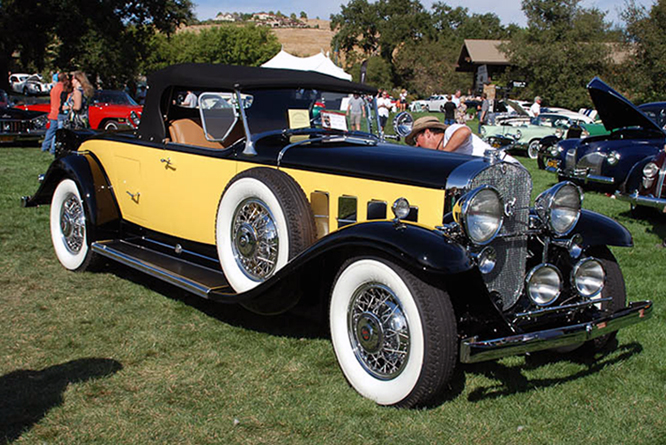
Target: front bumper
[[580, 174], [646, 201], [473, 350]]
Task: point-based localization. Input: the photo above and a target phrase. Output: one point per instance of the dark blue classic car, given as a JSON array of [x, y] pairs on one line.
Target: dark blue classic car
[[603, 162]]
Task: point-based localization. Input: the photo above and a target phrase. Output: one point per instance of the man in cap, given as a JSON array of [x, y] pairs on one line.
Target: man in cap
[[429, 132]]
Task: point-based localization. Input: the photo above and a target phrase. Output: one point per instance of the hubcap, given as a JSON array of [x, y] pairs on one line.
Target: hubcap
[[378, 331], [72, 224], [255, 239]]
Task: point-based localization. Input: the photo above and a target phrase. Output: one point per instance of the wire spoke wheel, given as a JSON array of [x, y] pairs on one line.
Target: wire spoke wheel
[[255, 239]]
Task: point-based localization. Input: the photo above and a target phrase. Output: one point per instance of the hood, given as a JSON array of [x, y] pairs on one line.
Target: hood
[[616, 111], [15, 113], [519, 109]]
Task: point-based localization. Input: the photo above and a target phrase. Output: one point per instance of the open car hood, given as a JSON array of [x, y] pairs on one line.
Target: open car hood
[[519, 109], [616, 111]]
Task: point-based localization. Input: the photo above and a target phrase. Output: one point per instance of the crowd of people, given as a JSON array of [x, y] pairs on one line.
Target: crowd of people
[[69, 100]]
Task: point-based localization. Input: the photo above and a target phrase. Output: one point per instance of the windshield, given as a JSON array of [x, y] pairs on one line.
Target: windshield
[[307, 108], [113, 97]]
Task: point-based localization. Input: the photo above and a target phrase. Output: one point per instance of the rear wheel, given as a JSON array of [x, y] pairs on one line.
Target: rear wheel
[[394, 335], [111, 125], [533, 149], [69, 228]]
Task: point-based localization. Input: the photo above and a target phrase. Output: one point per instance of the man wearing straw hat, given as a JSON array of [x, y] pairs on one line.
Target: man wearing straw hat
[[429, 132]]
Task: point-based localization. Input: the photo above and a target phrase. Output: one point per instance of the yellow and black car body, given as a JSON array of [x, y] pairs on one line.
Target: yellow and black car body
[[260, 195]]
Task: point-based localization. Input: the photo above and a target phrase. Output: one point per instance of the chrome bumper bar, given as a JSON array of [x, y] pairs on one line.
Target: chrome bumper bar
[[473, 350], [647, 201], [581, 175]]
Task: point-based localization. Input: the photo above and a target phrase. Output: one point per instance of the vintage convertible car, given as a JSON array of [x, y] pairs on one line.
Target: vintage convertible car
[[644, 187], [19, 125], [603, 162], [108, 110], [424, 259]]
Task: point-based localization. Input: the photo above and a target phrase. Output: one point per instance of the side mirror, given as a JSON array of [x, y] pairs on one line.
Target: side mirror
[[403, 123]]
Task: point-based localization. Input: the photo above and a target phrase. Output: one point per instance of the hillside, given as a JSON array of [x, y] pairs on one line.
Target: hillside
[[300, 42]]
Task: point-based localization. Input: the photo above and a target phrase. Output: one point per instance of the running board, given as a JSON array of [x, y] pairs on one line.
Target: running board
[[200, 280]]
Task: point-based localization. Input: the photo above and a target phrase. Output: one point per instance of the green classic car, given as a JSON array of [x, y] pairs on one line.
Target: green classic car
[[528, 136]]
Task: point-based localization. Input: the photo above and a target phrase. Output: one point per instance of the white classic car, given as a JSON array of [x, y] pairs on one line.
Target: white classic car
[[29, 84]]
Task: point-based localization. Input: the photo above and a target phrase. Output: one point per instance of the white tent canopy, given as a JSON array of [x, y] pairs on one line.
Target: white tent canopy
[[319, 63]]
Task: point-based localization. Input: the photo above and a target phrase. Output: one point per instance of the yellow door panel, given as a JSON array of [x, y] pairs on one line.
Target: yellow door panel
[[138, 178], [196, 183]]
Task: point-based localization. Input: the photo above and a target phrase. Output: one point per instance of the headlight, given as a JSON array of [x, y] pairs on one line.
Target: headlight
[[554, 150], [650, 170], [613, 158], [39, 122], [544, 284], [482, 132], [560, 207], [559, 132], [588, 277], [134, 119], [518, 134], [480, 212]]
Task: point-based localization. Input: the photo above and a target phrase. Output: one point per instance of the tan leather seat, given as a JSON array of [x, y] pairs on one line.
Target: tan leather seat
[[190, 132]]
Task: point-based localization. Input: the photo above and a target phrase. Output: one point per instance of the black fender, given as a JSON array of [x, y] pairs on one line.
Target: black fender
[[101, 207], [421, 250], [600, 230]]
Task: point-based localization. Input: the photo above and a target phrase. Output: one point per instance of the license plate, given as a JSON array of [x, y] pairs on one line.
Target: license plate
[[5, 138], [552, 163]]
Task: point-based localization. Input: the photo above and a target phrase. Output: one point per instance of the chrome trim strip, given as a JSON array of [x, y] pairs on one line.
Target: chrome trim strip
[[659, 190], [647, 201], [156, 272], [555, 309], [601, 179], [473, 350]]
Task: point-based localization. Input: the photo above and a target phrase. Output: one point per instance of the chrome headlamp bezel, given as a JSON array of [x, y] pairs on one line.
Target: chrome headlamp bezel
[[588, 277], [552, 207], [650, 170], [518, 134], [477, 209], [544, 284]]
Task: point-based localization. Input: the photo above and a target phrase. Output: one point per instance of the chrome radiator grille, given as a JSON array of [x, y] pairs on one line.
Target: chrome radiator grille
[[570, 159], [14, 126], [515, 185]]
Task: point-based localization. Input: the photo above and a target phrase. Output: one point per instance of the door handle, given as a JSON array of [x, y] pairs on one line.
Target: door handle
[[134, 196], [166, 162]]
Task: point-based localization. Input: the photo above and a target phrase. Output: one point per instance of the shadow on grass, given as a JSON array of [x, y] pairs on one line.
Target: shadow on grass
[[512, 381], [299, 322], [26, 396], [653, 216]]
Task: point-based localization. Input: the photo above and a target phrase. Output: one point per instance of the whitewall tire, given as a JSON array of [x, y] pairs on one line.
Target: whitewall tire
[[533, 149], [69, 227], [394, 335], [263, 221]]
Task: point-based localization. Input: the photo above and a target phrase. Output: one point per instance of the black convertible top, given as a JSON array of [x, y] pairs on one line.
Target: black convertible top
[[204, 76]]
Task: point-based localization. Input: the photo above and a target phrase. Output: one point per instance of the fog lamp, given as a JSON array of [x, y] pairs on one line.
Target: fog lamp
[[588, 277], [400, 208], [544, 284], [486, 260]]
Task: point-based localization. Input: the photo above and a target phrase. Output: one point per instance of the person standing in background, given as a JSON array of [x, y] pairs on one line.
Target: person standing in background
[[47, 144], [535, 109], [449, 111], [355, 111], [483, 111], [383, 109]]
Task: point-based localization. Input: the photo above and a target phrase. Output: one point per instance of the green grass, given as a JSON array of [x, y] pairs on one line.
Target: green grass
[[114, 357]]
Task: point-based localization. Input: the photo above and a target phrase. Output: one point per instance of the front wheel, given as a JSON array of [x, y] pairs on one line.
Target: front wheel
[[69, 228], [533, 149], [394, 335]]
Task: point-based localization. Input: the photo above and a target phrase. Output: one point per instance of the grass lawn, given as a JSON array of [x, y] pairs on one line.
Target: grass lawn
[[114, 357]]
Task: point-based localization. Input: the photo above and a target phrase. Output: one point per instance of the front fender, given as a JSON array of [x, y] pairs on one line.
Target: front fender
[[102, 211], [600, 230]]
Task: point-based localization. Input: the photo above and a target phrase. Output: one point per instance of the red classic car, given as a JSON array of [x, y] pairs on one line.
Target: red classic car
[[109, 110]]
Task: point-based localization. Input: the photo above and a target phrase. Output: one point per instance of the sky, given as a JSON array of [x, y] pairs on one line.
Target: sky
[[507, 10]]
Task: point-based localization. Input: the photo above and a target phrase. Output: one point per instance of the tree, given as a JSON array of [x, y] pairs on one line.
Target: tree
[[102, 37], [645, 74], [236, 45], [562, 37], [304, 15]]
